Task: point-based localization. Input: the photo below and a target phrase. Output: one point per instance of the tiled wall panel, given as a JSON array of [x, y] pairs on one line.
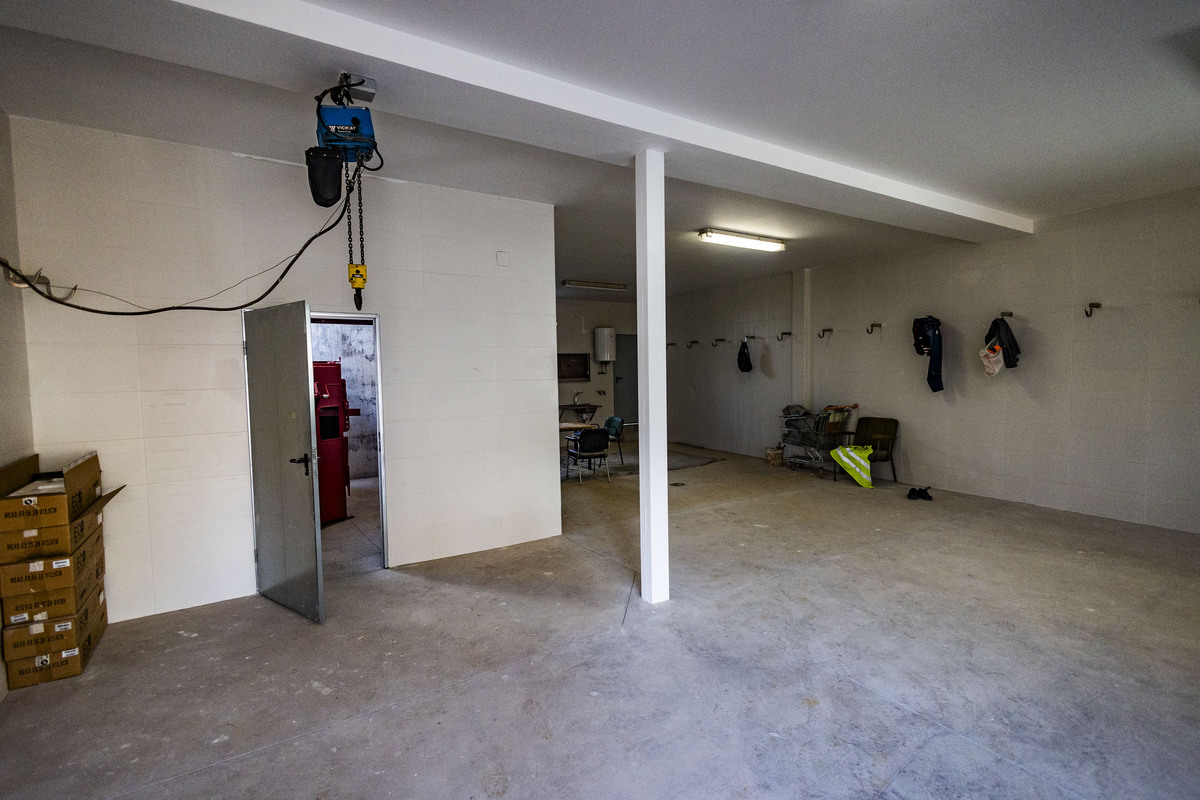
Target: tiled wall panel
[[162, 398]]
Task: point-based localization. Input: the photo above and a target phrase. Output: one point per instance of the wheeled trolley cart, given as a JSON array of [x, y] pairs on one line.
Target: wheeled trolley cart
[[809, 436]]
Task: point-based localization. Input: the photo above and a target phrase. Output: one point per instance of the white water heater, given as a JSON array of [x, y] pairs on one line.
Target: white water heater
[[605, 350]]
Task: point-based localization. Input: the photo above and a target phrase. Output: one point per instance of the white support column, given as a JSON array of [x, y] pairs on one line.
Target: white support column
[[652, 374]]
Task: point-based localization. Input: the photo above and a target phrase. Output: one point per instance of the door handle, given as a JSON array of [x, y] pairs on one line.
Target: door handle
[[301, 460]]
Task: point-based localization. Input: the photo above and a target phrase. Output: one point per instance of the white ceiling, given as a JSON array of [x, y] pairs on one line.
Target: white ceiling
[[849, 127]]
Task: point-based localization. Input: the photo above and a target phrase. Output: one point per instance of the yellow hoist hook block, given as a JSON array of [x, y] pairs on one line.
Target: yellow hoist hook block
[[358, 279]]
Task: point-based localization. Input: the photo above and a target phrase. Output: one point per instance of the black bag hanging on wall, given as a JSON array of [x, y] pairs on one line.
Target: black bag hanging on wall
[[744, 358]]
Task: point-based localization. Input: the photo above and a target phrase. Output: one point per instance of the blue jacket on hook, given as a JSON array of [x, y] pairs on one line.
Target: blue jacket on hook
[[927, 341]]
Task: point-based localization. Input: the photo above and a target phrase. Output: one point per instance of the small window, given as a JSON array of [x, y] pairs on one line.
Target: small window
[[574, 367]]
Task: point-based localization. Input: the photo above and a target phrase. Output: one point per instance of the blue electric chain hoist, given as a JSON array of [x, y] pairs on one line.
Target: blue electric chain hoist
[[345, 134]]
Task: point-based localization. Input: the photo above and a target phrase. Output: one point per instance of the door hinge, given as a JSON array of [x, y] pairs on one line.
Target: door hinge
[[243, 347]]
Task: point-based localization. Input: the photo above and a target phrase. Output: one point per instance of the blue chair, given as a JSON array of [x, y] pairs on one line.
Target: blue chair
[[589, 445], [614, 426]]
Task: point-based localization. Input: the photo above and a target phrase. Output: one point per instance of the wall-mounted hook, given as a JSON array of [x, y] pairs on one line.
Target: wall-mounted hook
[[873, 326], [693, 343], [36, 279], [824, 331], [779, 338], [744, 338], [1006, 313], [670, 344], [1087, 312], [41, 281], [716, 341]]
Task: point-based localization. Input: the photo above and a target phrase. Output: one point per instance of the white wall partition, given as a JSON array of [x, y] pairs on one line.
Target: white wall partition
[[467, 349], [16, 423]]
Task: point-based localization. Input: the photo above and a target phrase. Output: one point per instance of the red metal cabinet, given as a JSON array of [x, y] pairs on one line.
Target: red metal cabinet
[[333, 448]]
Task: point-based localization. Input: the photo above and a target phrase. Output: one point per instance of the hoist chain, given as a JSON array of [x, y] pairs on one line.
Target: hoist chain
[[349, 222], [362, 241], [351, 182]]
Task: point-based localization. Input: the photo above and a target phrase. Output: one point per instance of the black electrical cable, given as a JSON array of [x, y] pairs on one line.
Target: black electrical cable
[[29, 282]]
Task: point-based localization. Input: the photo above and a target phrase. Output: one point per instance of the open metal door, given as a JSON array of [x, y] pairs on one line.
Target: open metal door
[[283, 449]]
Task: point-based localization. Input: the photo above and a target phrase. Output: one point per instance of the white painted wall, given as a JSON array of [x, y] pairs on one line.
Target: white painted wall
[[577, 319], [16, 421], [710, 402], [1102, 415], [466, 347]]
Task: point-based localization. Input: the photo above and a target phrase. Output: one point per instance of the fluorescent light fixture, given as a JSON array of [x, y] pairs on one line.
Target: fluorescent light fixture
[[605, 287], [714, 236]]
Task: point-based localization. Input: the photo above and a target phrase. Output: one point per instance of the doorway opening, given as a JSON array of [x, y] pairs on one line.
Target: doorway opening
[[625, 379], [350, 445]]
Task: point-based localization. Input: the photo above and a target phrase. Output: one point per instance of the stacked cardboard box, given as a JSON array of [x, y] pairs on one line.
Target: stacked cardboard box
[[51, 568]]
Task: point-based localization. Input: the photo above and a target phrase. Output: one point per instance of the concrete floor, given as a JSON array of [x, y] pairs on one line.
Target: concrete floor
[[355, 545], [822, 641]]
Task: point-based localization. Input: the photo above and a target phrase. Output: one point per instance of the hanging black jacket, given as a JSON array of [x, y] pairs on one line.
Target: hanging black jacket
[[927, 340], [1008, 343]]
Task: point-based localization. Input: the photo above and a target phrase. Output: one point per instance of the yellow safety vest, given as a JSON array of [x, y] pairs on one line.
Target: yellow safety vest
[[853, 459]]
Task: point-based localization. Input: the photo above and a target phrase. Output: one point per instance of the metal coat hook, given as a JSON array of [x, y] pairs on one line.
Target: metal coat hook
[[744, 338], [779, 338], [873, 326], [692, 343], [670, 344], [824, 331], [1006, 313], [38, 279], [1087, 312], [65, 297], [715, 341]]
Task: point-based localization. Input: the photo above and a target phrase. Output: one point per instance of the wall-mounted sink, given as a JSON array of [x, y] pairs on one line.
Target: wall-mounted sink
[[585, 411]]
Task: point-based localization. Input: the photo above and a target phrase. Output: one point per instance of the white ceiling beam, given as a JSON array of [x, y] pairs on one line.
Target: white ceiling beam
[[781, 173]]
